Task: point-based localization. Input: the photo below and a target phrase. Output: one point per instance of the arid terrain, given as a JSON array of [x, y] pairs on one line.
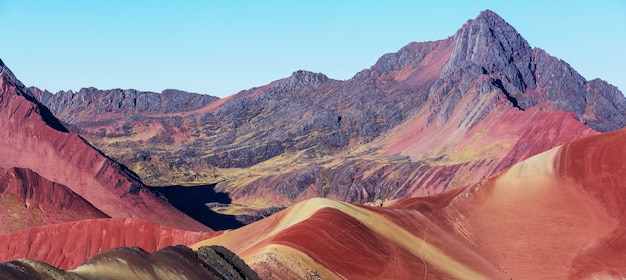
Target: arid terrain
[[474, 157]]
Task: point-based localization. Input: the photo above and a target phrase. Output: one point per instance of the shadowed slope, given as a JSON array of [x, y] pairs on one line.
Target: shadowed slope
[[556, 215], [195, 200]]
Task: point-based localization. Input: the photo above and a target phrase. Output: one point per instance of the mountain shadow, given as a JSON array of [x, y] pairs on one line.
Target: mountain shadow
[[193, 202]]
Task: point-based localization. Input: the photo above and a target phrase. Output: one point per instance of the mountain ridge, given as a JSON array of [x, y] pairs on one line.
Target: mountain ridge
[[473, 44]]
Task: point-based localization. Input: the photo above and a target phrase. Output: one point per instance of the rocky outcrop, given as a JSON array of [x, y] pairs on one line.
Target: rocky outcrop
[[604, 109], [596, 103], [488, 46], [26, 269], [172, 262], [40, 95], [497, 48], [214, 262]]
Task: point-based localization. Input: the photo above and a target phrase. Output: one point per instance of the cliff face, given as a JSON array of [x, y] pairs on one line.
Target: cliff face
[[32, 138]]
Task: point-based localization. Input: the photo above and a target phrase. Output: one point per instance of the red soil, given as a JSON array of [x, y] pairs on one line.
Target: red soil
[[598, 164], [30, 200], [557, 215], [68, 245], [503, 138], [349, 248]]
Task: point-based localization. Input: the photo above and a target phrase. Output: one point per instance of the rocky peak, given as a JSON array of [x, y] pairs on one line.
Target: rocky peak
[[301, 79], [494, 45], [412, 53], [7, 77], [40, 95]]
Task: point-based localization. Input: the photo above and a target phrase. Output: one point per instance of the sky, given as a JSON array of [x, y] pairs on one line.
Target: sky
[[223, 47]]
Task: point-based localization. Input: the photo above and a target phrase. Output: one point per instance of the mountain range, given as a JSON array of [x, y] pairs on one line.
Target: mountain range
[[462, 157], [432, 116]]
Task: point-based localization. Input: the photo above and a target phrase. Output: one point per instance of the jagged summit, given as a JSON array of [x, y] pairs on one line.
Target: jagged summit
[[7, 75], [296, 82], [302, 78], [491, 43], [67, 104], [489, 15]]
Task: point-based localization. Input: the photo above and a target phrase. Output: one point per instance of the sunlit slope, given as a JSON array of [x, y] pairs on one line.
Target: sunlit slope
[[557, 215]]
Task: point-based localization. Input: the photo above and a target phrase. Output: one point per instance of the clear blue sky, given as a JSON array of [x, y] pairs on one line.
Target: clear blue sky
[[222, 47]]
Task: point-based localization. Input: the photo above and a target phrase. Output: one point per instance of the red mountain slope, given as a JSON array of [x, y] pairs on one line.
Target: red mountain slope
[[30, 137], [504, 137], [29, 200], [557, 215], [70, 244]]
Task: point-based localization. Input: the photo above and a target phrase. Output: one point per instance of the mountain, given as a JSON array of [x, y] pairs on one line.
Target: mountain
[[50, 175], [432, 116], [558, 214]]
